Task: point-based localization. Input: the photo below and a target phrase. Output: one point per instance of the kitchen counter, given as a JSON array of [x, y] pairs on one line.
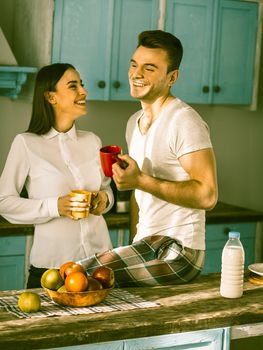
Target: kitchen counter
[[194, 306], [221, 213], [224, 212]]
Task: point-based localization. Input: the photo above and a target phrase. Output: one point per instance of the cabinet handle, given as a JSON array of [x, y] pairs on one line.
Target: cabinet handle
[[217, 88], [116, 84], [101, 84], [205, 89]]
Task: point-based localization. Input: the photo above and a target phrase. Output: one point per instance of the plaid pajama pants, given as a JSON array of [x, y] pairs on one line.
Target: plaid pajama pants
[[154, 260]]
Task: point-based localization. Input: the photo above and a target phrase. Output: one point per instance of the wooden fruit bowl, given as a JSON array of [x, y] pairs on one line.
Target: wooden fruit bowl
[[78, 299]]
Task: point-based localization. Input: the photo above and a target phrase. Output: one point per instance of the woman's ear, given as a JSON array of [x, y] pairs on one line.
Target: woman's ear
[[50, 97], [173, 77]]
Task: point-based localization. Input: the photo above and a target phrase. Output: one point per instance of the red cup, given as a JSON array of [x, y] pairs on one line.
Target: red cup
[[109, 156]]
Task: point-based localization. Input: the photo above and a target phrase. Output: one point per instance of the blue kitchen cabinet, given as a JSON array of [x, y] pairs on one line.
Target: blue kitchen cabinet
[[119, 237], [212, 339], [216, 238], [219, 40], [98, 37], [115, 345], [12, 262]]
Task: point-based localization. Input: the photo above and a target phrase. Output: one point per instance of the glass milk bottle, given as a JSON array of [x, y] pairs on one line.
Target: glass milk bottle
[[232, 273]]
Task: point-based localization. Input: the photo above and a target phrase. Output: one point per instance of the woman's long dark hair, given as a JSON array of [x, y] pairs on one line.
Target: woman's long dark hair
[[42, 117]]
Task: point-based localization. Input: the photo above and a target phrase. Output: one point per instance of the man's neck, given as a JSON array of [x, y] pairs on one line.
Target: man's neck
[[153, 109]]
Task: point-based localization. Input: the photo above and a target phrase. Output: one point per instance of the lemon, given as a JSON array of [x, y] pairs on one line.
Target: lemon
[[51, 279], [29, 302], [62, 289]]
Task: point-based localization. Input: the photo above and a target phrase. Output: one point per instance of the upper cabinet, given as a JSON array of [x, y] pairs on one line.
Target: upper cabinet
[[219, 40], [12, 79], [12, 76], [98, 37], [218, 36]]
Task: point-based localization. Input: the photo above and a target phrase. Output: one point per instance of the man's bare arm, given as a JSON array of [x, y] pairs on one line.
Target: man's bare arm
[[199, 191]]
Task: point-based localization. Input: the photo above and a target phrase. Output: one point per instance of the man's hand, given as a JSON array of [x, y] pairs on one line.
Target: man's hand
[[128, 178]]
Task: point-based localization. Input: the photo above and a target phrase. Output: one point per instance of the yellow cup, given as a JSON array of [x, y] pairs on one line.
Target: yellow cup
[[81, 196]]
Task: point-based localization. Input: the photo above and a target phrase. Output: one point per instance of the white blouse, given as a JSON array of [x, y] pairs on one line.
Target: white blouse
[[50, 166]]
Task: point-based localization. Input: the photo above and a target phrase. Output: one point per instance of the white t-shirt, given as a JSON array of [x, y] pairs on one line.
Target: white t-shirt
[[178, 130], [50, 166]]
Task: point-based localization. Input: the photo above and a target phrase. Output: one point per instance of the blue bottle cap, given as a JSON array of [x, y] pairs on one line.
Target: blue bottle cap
[[234, 234]]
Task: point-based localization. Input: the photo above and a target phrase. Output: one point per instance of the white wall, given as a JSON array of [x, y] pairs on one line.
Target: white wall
[[236, 132], [238, 143]]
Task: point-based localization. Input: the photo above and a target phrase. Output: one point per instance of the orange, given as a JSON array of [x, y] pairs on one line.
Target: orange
[[76, 282]]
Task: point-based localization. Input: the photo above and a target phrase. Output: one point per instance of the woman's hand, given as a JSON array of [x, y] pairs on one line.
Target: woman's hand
[[99, 202], [67, 204]]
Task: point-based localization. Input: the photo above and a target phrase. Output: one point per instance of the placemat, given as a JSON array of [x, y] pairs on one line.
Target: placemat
[[118, 300]]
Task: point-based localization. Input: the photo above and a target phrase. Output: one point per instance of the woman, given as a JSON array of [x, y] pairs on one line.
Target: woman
[[49, 160]]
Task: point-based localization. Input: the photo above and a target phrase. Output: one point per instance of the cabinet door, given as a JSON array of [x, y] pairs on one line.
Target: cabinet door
[[192, 22], [216, 238], [12, 272], [98, 38], [115, 345], [214, 339], [130, 18], [235, 52], [119, 237], [219, 40], [12, 262], [82, 36]]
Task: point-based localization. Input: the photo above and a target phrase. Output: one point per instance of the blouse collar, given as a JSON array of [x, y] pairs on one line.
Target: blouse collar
[[71, 133]]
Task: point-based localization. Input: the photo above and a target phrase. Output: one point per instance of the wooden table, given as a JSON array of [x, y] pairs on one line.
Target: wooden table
[[191, 307]]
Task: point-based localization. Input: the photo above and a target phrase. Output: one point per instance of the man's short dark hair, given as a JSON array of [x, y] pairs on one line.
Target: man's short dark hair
[[163, 40]]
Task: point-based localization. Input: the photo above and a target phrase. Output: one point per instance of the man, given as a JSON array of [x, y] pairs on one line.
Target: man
[[171, 170]]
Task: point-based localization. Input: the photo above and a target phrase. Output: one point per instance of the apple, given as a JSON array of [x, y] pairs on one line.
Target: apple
[[105, 276], [51, 279], [93, 284]]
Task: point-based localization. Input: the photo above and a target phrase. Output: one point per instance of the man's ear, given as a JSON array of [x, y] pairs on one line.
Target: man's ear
[[50, 97], [173, 77]]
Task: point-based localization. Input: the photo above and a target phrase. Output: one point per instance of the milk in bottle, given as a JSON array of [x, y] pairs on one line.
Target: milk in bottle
[[232, 273]]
